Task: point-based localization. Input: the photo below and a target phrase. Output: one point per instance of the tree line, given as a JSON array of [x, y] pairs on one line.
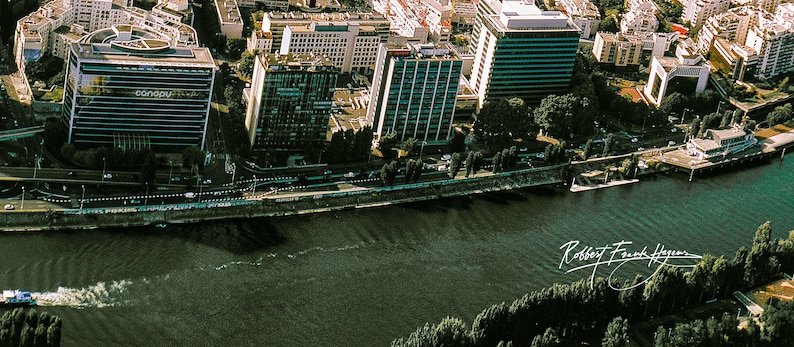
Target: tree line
[[29, 328], [568, 311]]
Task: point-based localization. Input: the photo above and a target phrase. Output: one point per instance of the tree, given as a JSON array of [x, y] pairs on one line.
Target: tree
[[336, 152], [617, 333], [362, 144], [565, 115], [149, 170], [674, 102], [193, 158], [236, 47], [408, 145], [779, 115], [458, 142], [610, 140], [473, 162], [587, 148], [500, 121], [455, 164], [246, 64], [387, 144], [497, 162], [389, 172]]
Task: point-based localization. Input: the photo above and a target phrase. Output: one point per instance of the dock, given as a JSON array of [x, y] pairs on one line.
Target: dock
[[772, 141]]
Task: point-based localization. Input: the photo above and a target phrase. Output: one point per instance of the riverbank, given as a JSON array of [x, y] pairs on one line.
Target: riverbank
[[282, 204]]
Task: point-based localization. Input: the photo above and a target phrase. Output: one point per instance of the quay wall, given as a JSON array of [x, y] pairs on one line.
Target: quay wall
[[293, 203]]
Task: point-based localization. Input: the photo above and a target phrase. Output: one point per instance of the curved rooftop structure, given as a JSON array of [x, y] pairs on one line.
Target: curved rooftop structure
[[130, 38]]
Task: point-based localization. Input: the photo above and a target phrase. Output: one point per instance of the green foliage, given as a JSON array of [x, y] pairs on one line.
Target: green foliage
[[46, 68], [458, 142], [587, 148], [565, 116], [473, 162], [617, 333], [674, 103], [246, 64], [413, 169], [408, 145], [780, 115], [497, 162], [18, 328], [454, 164], [387, 145], [500, 121], [388, 172], [193, 157], [608, 143], [671, 9]]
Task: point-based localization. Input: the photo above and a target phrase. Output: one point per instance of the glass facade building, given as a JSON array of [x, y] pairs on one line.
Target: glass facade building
[[524, 52], [130, 90], [290, 104], [414, 91]]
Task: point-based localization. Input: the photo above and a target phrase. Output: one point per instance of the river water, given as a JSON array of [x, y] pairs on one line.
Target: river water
[[365, 277]]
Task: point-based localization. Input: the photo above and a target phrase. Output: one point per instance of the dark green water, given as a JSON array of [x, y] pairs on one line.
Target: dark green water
[[363, 278]]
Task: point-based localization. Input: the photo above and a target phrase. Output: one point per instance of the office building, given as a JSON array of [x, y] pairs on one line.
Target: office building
[[274, 23], [290, 104], [349, 46], [414, 89], [229, 18], [696, 12], [524, 52], [131, 88], [687, 63]]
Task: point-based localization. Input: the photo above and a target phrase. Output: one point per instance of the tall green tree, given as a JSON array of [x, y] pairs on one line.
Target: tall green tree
[[387, 145], [149, 169], [500, 121], [617, 333], [246, 64], [565, 116]]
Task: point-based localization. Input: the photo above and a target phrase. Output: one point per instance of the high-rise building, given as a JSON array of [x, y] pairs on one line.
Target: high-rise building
[[130, 88], [414, 90], [275, 23], [290, 104], [524, 52], [349, 46]]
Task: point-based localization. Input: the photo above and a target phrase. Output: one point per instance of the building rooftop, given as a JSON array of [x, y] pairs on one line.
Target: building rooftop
[[133, 45], [522, 15], [423, 51], [305, 62], [229, 11]]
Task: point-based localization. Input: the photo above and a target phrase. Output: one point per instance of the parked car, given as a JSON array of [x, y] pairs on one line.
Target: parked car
[[108, 176], [9, 207]]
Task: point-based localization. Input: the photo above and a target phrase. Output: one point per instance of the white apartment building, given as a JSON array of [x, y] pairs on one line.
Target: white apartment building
[[584, 14], [281, 5], [696, 12], [230, 19], [274, 23], [617, 49], [640, 18], [174, 11], [416, 19], [349, 47], [59, 23], [752, 38], [260, 41]]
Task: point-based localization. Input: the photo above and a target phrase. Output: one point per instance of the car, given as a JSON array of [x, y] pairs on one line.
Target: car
[[107, 176], [135, 201], [190, 195], [71, 174], [641, 149], [635, 140], [207, 181], [350, 174], [671, 143], [176, 179], [673, 130], [446, 157], [9, 207]]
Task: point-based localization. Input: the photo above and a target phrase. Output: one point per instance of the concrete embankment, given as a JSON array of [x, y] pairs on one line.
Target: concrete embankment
[[281, 204]]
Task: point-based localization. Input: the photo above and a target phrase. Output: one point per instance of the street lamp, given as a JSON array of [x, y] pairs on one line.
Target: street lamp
[[683, 115], [719, 105], [83, 198], [171, 170], [146, 198], [23, 198], [234, 171], [198, 177], [254, 192], [35, 165], [104, 165]]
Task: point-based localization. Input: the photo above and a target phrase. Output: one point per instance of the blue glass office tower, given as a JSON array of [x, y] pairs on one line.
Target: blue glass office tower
[[523, 52]]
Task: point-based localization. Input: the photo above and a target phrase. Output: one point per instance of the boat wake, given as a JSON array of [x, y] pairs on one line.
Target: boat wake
[[96, 296]]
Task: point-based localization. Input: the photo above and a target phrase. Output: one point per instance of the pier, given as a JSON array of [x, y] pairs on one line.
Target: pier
[[772, 142]]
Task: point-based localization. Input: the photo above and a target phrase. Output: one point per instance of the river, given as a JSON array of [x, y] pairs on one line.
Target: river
[[365, 277]]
